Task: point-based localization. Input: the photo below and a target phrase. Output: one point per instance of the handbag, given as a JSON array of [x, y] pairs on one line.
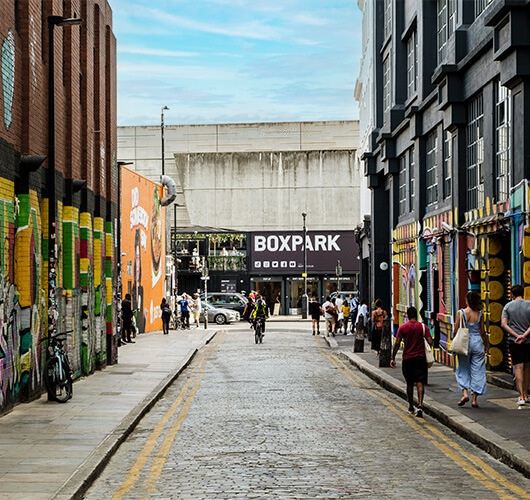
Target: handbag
[[429, 356], [460, 344]]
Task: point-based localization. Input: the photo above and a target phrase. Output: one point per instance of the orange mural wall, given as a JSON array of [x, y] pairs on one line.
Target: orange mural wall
[[142, 242]]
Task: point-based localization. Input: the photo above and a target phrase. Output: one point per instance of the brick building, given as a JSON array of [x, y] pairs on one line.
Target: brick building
[[447, 158], [82, 155]]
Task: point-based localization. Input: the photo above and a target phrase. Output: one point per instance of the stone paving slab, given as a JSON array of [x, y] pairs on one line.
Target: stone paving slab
[[498, 429], [51, 450]]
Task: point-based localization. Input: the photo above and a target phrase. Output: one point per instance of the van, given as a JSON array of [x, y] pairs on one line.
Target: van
[[227, 300]]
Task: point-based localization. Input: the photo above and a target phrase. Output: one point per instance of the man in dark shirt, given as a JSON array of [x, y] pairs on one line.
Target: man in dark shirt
[[315, 310], [185, 311], [414, 363], [126, 316]]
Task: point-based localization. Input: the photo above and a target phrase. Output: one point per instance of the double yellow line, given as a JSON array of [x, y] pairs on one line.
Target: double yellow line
[[469, 462], [181, 404]]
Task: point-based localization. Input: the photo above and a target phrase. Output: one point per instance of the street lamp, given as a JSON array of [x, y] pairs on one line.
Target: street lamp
[[119, 288], [304, 297], [52, 196], [162, 136]]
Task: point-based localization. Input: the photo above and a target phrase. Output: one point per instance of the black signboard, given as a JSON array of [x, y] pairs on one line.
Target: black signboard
[[282, 252]]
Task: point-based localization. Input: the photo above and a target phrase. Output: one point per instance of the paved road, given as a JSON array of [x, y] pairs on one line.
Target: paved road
[[289, 420]]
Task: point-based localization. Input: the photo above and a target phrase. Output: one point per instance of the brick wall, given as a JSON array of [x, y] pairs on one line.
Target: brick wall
[[84, 77]]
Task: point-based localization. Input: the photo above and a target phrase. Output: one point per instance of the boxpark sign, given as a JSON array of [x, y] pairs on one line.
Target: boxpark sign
[[282, 252]]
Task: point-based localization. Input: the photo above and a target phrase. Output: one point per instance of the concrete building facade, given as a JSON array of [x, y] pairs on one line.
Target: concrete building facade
[[258, 177], [73, 171], [447, 161]]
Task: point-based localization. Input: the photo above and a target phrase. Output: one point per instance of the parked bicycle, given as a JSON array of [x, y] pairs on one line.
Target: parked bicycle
[[58, 374], [259, 327]]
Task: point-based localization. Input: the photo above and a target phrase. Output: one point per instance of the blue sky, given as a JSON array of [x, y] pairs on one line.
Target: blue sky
[[236, 61]]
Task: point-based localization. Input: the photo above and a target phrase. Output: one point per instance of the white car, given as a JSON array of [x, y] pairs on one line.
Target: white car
[[219, 315]]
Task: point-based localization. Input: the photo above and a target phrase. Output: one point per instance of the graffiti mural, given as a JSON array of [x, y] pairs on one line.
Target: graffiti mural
[[8, 76], [142, 242]]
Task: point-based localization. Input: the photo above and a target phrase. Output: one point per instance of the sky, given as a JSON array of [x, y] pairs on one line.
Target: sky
[[236, 61]]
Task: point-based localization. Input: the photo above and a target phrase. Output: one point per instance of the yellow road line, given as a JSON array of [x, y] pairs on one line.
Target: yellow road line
[[449, 447], [143, 456]]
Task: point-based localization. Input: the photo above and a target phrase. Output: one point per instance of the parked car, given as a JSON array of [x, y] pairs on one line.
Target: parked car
[[345, 295], [234, 301], [219, 315]]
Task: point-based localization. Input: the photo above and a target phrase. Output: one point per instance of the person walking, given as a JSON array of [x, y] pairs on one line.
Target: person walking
[[249, 307], [337, 300], [195, 308], [185, 311], [516, 322], [126, 317], [345, 308], [353, 312], [315, 311], [362, 313], [378, 317], [471, 370], [330, 315], [166, 315], [414, 365]]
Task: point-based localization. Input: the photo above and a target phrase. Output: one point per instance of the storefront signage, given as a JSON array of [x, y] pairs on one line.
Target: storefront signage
[[283, 252]]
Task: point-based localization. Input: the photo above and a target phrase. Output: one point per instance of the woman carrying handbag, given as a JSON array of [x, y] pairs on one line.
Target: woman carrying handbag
[[471, 369]]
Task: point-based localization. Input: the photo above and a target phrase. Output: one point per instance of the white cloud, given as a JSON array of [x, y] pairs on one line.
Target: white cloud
[[154, 52]]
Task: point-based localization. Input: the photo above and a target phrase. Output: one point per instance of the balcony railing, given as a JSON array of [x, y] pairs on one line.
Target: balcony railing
[[227, 263]]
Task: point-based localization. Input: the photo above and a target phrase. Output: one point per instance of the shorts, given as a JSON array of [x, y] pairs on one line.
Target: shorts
[[196, 315], [415, 369], [315, 316], [520, 353]]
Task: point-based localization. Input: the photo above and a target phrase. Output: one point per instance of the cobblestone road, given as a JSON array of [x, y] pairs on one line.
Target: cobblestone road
[[289, 420]]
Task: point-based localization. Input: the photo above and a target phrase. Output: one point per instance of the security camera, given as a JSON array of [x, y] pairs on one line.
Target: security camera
[[447, 227]]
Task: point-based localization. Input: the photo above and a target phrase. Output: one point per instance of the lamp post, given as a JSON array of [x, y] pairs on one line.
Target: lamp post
[[51, 187], [304, 297], [118, 251], [163, 173], [162, 137]]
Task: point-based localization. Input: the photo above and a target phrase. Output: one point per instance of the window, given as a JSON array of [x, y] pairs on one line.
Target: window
[[403, 164], [387, 19], [475, 153], [411, 179], [502, 142], [431, 170], [449, 162], [446, 24], [386, 84], [412, 64], [480, 5]]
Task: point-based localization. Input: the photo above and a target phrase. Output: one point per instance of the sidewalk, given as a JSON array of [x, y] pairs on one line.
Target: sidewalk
[[498, 426], [52, 450]]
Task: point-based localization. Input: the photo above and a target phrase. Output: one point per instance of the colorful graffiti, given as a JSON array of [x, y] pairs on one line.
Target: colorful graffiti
[[142, 243], [8, 76]]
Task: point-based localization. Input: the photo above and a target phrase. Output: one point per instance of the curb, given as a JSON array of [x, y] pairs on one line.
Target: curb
[[78, 483], [505, 450]]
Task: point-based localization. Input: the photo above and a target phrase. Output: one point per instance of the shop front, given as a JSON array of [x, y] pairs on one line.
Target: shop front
[[277, 266]]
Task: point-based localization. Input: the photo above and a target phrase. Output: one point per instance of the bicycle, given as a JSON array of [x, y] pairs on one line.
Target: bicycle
[[259, 327], [58, 374]]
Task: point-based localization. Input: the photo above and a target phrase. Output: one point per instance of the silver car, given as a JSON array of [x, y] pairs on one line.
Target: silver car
[[219, 315]]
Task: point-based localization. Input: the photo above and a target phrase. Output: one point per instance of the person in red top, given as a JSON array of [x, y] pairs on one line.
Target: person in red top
[[414, 363]]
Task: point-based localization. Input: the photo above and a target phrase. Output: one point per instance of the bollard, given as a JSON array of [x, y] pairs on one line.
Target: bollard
[[358, 343], [385, 352]]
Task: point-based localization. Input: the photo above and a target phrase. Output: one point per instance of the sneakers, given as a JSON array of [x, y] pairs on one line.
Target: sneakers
[[419, 412], [412, 410], [522, 401]]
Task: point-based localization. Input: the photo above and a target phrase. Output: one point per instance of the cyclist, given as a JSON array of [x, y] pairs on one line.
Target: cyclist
[[259, 312]]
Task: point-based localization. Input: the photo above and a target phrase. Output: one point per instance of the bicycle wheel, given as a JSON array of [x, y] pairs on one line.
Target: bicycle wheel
[[49, 378], [63, 382]]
